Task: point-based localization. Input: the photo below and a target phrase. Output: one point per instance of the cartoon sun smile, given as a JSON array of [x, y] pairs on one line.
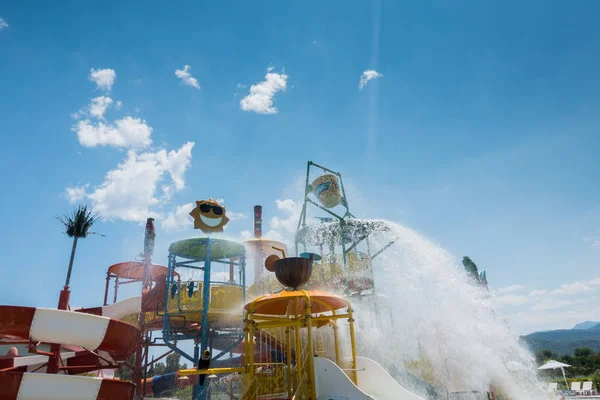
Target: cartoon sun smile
[[209, 216]]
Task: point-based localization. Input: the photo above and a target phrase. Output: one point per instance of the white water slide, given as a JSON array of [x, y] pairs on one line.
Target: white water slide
[[374, 383]]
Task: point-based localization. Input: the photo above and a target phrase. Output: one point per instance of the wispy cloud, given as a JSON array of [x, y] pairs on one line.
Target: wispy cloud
[[537, 293], [104, 78], [96, 109], [236, 216], [260, 99], [508, 289], [543, 305], [186, 77], [511, 300], [3, 23], [99, 106], [367, 76], [76, 193], [179, 218], [550, 308], [594, 242], [528, 321]]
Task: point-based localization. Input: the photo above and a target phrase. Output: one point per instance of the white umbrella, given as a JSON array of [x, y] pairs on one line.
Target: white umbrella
[[555, 364]]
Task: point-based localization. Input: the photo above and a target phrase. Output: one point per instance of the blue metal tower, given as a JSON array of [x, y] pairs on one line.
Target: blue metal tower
[[205, 310]]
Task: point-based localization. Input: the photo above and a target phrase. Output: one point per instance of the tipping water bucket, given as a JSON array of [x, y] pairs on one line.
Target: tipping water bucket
[[327, 190], [293, 272]]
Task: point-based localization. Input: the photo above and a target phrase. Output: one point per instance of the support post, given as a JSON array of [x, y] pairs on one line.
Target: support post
[[106, 289], [298, 343], [353, 343], [336, 344], [205, 310], [310, 349], [54, 360], [288, 360]]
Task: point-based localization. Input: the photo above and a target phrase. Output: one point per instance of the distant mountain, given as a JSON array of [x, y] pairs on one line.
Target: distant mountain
[[565, 341], [587, 325]]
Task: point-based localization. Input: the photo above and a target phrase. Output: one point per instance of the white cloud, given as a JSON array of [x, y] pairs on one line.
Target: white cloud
[[118, 105], [246, 234], [128, 132], [104, 78], [241, 86], [543, 305], [574, 288], [260, 99], [568, 289], [179, 219], [527, 321], [75, 194], [176, 163], [554, 308], [283, 228], [236, 216], [510, 300], [99, 106], [367, 76], [594, 242], [537, 293], [96, 109], [186, 77], [3, 24], [129, 192], [509, 289]]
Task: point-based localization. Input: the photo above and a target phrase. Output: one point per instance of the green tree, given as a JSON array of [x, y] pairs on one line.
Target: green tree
[[77, 225], [172, 362], [159, 368], [124, 372], [596, 379], [470, 268], [544, 355], [583, 352]]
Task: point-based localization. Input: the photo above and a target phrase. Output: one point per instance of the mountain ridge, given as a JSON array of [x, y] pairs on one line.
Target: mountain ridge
[[587, 325], [565, 341]]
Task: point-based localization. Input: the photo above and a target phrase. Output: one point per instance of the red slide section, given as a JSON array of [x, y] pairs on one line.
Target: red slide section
[[16, 385], [118, 340]]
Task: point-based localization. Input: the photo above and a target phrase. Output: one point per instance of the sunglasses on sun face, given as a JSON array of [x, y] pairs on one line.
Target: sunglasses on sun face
[[218, 210]]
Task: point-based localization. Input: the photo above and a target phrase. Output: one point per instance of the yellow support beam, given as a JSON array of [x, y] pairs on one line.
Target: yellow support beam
[[212, 371], [310, 349], [353, 343], [278, 324]]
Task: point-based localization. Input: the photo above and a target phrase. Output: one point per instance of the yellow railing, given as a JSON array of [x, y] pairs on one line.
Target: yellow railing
[[302, 393], [252, 389], [272, 377], [222, 298]]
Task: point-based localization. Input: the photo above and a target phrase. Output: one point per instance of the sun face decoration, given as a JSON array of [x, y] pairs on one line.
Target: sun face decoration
[[209, 216]]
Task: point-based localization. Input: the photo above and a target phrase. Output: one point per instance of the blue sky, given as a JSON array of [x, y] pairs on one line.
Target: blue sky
[[481, 132]]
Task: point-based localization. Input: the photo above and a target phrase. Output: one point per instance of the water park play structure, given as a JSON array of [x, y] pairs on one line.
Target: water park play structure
[[291, 334]]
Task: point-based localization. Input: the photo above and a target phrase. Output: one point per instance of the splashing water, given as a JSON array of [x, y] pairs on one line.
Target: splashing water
[[443, 325]]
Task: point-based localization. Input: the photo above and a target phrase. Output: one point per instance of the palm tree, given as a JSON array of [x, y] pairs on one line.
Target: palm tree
[[77, 225]]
